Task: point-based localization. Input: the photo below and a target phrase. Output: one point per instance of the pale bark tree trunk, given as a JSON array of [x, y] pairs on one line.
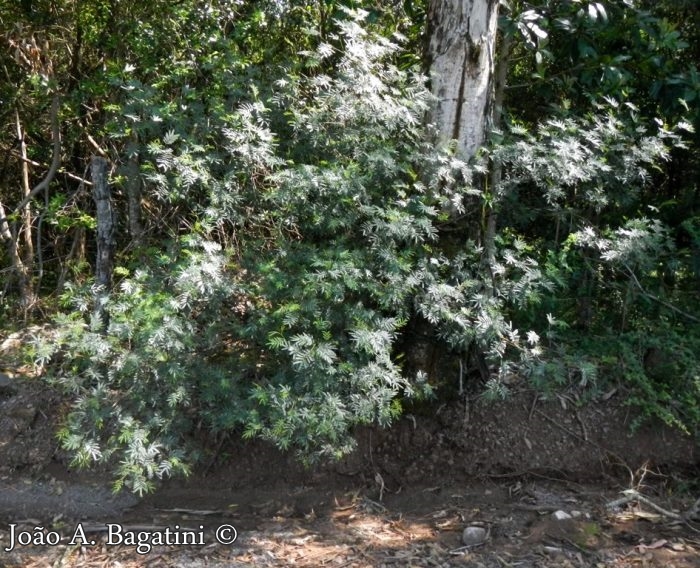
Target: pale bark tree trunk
[[464, 74], [25, 260], [26, 190], [461, 55], [18, 266]]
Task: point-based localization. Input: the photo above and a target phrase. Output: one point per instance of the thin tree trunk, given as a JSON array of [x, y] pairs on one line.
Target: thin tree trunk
[[26, 190], [23, 258], [106, 236], [23, 275], [496, 166], [75, 256], [25, 252], [133, 190]]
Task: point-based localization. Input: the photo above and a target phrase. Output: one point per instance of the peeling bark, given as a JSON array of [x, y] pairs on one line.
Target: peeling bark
[[461, 53]]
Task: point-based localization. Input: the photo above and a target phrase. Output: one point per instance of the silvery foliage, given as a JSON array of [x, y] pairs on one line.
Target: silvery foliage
[[312, 238]]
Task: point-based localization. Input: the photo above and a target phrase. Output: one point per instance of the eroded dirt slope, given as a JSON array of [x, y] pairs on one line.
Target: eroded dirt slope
[[402, 499]]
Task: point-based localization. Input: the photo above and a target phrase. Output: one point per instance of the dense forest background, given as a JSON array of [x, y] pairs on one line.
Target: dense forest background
[[298, 248]]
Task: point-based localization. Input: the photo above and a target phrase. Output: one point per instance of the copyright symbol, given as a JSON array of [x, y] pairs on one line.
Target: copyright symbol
[[226, 534]]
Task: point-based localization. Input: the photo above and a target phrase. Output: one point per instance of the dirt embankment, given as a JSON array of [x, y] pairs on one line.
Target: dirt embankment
[[523, 435], [402, 498]]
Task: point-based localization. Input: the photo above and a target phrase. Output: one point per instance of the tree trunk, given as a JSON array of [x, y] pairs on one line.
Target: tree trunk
[[496, 167], [19, 239], [106, 240], [18, 267], [27, 217], [132, 171], [461, 54]]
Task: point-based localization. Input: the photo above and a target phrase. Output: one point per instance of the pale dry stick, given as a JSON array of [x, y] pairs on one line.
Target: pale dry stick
[[634, 495], [380, 481], [96, 146], [644, 470], [462, 549], [532, 408], [61, 171]]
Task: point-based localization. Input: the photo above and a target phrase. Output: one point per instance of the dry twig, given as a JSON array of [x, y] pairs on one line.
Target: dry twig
[[634, 495]]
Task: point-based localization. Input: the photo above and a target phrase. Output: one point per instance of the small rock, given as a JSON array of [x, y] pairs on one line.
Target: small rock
[[553, 550], [473, 536], [560, 515], [6, 385], [576, 514]]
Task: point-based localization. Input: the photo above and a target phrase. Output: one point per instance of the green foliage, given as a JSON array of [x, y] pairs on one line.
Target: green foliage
[[620, 289], [298, 217], [654, 367], [667, 386], [294, 343], [583, 51], [132, 387]]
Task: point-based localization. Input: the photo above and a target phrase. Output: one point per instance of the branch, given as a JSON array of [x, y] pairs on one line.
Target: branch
[[633, 495], [60, 171], [55, 161], [97, 147], [691, 317]]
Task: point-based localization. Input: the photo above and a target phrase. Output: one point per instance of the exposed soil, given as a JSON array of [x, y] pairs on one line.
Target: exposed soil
[[403, 498]]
